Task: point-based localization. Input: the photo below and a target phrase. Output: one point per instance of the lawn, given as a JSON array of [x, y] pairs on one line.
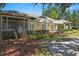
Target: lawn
[[31, 44], [72, 33], [34, 44]]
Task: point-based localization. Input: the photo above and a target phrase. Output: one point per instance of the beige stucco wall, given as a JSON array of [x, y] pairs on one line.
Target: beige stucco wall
[[38, 26], [49, 26]]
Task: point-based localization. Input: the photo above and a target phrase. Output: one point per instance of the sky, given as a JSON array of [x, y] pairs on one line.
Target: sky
[[30, 8], [25, 8]]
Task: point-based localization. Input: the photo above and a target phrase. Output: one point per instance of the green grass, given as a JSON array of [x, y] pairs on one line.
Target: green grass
[[50, 37], [40, 36], [72, 33]]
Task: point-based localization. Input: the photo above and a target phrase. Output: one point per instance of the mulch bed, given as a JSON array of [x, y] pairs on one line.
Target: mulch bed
[[18, 48]]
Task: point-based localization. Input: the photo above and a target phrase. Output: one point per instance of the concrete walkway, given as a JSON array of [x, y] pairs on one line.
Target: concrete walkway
[[67, 48]]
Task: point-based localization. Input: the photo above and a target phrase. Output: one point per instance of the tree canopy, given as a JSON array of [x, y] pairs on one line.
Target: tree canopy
[[61, 11], [57, 11]]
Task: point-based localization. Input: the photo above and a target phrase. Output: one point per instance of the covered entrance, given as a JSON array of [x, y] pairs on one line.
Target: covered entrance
[[61, 25]]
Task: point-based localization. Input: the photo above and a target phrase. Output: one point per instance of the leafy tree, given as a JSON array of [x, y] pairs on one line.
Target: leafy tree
[[73, 17], [61, 10], [51, 12], [57, 11]]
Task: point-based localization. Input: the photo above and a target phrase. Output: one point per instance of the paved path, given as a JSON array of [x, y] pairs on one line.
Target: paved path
[[68, 48]]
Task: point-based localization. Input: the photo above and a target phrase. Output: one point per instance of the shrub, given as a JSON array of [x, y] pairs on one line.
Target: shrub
[[38, 32], [40, 36], [8, 35], [42, 31], [46, 36], [35, 37]]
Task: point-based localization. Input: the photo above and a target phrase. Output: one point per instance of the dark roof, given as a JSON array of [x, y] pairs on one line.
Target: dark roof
[[16, 13], [43, 17], [13, 13]]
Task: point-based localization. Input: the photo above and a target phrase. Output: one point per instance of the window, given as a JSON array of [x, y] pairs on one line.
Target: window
[[31, 26], [43, 26]]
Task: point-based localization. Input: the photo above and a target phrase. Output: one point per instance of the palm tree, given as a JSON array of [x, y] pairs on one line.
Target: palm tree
[[1, 7]]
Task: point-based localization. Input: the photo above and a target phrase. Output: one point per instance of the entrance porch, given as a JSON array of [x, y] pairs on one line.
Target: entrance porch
[[58, 27], [13, 26]]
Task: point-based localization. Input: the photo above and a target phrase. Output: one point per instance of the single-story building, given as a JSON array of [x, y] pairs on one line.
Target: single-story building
[[54, 25], [21, 23]]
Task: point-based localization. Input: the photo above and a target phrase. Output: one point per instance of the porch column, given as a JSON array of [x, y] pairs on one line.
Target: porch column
[[24, 28], [70, 26], [7, 23], [28, 28], [56, 27], [64, 26], [0, 28]]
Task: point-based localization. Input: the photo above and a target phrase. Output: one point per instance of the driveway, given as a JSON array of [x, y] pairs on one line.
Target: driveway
[[67, 48]]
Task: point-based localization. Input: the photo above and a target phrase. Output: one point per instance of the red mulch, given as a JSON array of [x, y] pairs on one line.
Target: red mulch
[[18, 48]]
